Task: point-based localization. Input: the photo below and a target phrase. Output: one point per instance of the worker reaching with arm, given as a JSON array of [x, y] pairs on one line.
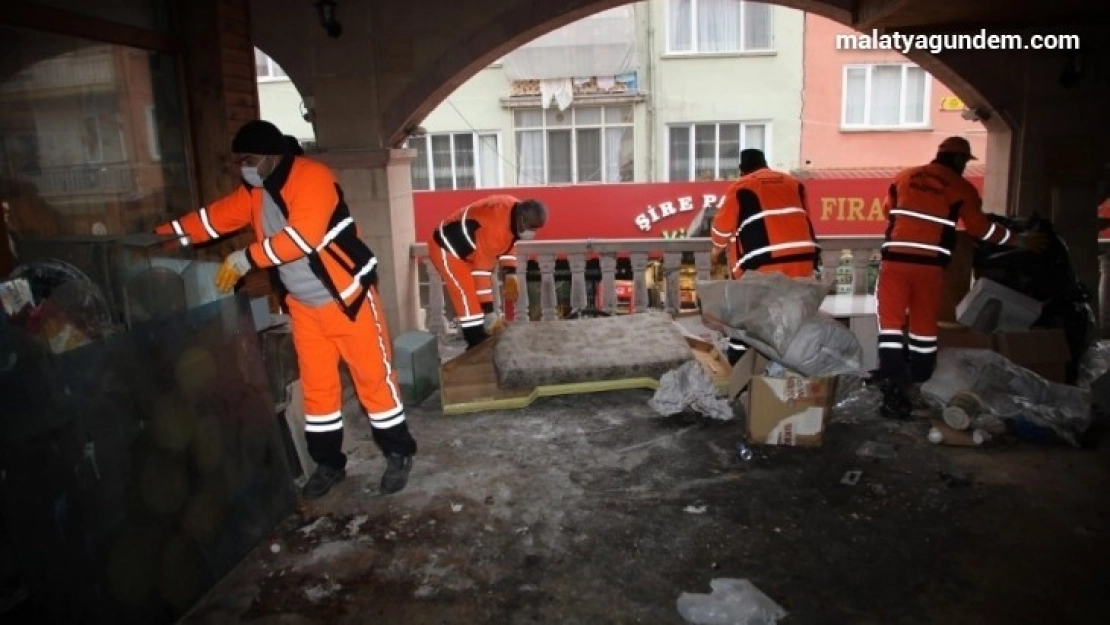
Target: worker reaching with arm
[[468, 246], [763, 225], [305, 230], [923, 207]]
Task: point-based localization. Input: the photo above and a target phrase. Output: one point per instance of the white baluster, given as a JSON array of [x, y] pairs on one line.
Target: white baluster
[[861, 259], [639, 262], [548, 296], [578, 297], [608, 264], [672, 272]]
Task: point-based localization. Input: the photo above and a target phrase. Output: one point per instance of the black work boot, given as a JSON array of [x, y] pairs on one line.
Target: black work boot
[[321, 481], [396, 476], [896, 403]]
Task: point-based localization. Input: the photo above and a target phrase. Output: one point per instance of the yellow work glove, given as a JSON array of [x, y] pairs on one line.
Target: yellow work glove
[[511, 288], [235, 267]]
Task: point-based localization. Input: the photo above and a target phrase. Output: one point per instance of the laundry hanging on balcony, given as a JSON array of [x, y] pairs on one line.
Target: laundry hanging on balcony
[[559, 89]]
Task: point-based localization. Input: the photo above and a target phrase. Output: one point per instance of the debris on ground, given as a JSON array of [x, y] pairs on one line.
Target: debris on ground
[[871, 449], [851, 478], [689, 386], [732, 602]]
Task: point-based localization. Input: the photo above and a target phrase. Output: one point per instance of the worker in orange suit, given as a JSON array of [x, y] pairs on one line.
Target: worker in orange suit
[[923, 207], [469, 245], [763, 225], [305, 232]]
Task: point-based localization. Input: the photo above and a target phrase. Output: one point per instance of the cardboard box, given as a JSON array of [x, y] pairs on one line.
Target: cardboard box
[[991, 307], [1040, 350], [789, 410], [957, 336]]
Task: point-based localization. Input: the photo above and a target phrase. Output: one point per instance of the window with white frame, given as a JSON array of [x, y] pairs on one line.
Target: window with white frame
[[267, 69], [893, 95], [712, 151], [718, 26], [580, 144], [460, 160]]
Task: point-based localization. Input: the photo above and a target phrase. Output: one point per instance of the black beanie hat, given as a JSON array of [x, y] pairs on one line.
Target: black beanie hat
[[259, 137], [752, 159]]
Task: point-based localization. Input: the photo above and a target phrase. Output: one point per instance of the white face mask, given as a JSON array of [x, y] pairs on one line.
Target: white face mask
[[528, 235], [250, 174]]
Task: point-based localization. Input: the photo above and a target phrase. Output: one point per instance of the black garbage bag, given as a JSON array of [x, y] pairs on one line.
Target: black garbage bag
[[1049, 277]]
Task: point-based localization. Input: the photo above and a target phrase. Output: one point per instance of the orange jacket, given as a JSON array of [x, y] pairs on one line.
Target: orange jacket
[[922, 208], [481, 233], [765, 213], [320, 227]]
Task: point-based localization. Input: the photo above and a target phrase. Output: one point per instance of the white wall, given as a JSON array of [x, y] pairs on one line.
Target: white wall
[[733, 88], [280, 103]]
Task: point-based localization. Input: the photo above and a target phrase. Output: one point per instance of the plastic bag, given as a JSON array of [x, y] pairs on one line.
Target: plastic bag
[[823, 347], [1094, 364], [1010, 392], [855, 401], [689, 386], [732, 602], [769, 307]]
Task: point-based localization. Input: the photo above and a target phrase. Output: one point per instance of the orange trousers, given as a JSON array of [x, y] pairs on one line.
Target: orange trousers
[[470, 289], [322, 336], [907, 302]]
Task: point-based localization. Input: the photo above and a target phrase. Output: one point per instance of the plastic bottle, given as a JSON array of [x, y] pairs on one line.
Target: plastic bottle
[[942, 433], [743, 452]]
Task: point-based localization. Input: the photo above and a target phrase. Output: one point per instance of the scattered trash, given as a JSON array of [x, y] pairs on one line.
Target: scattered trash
[[275, 548], [456, 507], [856, 400], [743, 452], [943, 433], [1010, 392], [689, 386], [732, 602], [695, 509], [871, 449], [851, 478]]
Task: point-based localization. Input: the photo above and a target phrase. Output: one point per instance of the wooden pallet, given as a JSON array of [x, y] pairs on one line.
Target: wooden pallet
[[468, 383]]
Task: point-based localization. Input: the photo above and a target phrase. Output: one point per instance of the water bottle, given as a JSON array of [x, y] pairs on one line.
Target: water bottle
[[743, 452]]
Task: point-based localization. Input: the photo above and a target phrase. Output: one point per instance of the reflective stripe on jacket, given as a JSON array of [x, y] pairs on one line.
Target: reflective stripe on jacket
[[481, 233], [765, 213], [923, 208], [320, 228]]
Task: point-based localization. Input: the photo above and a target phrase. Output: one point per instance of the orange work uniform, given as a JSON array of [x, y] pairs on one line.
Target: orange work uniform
[[763, 225], [923, 207], [305, 232], [465, 249]]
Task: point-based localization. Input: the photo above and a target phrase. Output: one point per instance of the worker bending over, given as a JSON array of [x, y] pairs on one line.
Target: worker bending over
[[304, 229], [763, 225], [923, 206], [467, 247]]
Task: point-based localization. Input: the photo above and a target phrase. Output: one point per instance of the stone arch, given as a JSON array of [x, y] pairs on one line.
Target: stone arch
[[526, 20]]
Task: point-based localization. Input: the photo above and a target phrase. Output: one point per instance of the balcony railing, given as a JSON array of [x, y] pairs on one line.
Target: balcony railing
[[673, 258]]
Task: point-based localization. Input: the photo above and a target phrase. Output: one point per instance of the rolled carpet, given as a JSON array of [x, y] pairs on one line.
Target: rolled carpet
[[544, 353]]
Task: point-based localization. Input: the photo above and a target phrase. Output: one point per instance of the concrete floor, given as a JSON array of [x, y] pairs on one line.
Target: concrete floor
[[592, 509]]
